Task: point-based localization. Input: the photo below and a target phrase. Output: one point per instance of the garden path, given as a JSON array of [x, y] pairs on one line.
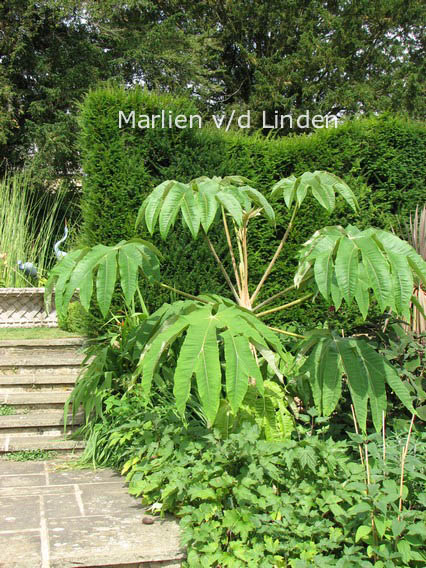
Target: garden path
[[55, 516]]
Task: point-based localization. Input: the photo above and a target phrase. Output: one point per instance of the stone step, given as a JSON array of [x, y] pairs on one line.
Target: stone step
[[52, 344], [37, 421], [10, 360], [52, 431], [19, 444], [29, 383], [36, 399]]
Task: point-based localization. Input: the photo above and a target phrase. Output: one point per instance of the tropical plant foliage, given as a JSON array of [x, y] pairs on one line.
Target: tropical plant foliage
[[199, 201], [366, 372], [104, 264], [208, 330], [349, 264], [223, 343]]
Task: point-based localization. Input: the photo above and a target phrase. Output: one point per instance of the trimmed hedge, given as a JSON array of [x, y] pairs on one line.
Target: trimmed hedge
[[381, 158]]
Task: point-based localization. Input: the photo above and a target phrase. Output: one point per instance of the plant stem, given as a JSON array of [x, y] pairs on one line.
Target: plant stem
[[245, 291], [367, 471], [231, 250], [276, 255], [291, 334], [403, 458], [357, 432], [141, 300], [274, 297], [190, 296], [384, 436], [367, 468], [222, 268], [285, 306]]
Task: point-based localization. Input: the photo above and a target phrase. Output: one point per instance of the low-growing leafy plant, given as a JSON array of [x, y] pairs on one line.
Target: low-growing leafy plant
[[246, 501], [31, 455], [222, 342], [6, 410]]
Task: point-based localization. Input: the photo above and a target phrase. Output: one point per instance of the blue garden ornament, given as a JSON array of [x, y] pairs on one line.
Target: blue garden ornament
[[27, 268]]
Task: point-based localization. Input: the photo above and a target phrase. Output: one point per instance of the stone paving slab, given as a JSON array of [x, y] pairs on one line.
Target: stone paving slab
[[51, 517], [28, 545]]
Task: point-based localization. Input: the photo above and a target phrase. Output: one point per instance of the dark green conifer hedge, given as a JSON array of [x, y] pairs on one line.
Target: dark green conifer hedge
[[381, 158]]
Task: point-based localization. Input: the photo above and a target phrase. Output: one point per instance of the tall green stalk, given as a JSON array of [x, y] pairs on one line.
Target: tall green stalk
[[29, 223]]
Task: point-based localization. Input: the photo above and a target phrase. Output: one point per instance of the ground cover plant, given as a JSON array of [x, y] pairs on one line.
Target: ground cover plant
[[215, 365], [245, 501]]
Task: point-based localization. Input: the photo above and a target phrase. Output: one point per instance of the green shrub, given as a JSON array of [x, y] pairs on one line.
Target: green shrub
[[77, 319]]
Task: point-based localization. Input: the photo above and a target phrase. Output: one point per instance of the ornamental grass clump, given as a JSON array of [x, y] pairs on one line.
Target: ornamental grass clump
[[29, 222]]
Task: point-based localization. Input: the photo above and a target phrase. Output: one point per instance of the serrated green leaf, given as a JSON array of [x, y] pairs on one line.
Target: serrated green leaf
[[171, 205], [362, 298], [336, 293], [191, 213], [362, 532], [155, 349], [154, 203], [331, 380], [60, 275], [128, 261], [185, 367], [357, 379], [286, 186], [208, 204], [312, 366], [232, 205], [269, 357], [398, 387], [105, 280], [381, 525], [261, 201], [236, 350], [375, 369], [376, 268], [86, 290], [402, 283], [397, 527], [323, 271], [322, 191], [208, 372], [347, 268]]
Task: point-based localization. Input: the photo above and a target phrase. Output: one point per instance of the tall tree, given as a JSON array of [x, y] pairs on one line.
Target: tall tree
[[49, 57], [326, 56]]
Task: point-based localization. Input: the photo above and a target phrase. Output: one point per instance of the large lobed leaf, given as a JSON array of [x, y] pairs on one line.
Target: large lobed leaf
[[351, 264], [330, 356], [199, 201], [77, 272], [322, 185], [200, 334]]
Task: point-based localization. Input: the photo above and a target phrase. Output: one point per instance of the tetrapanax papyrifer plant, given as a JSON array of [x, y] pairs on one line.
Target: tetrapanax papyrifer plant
[[224, 342]]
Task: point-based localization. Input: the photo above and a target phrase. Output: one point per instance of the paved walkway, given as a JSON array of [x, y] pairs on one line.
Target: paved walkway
[[53, 516]]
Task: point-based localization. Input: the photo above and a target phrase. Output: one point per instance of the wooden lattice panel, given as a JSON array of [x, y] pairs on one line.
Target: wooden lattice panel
[[24, 307]]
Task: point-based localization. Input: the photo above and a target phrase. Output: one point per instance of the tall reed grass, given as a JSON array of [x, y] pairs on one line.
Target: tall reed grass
[[30, 221]]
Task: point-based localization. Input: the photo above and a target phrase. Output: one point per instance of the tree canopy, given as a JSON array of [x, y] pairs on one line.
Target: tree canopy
[[339, 57]]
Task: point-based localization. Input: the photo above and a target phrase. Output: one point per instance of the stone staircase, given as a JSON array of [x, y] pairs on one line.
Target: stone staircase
[[36, 378]]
